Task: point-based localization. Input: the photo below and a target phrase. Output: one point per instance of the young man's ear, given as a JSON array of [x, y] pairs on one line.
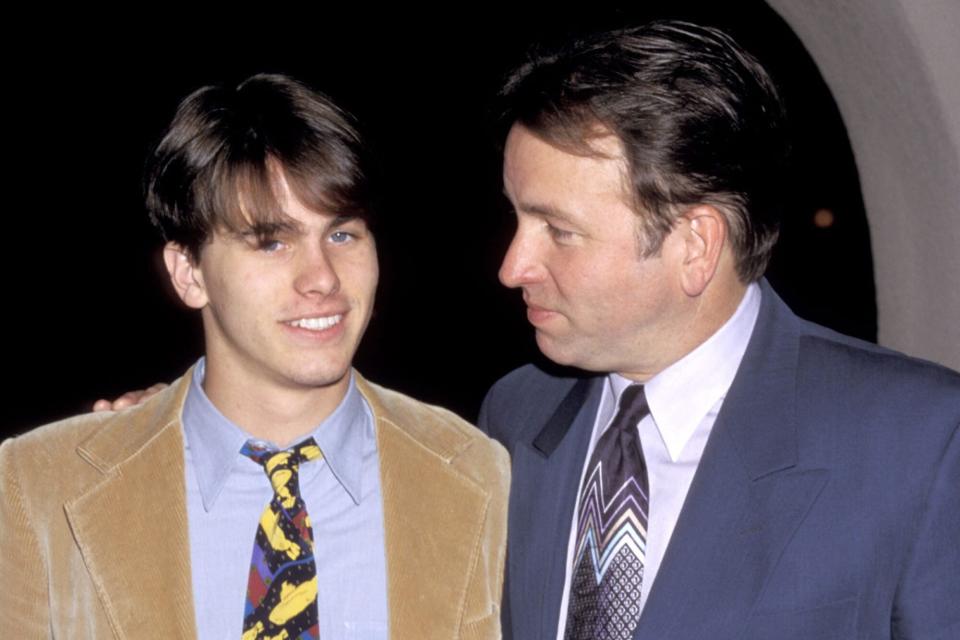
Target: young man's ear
[[186, 276]]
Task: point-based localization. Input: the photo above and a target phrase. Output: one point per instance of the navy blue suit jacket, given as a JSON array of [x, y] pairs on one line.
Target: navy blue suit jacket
[[826, 503]]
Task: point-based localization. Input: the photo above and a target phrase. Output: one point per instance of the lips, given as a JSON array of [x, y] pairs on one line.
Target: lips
[[539, 315]]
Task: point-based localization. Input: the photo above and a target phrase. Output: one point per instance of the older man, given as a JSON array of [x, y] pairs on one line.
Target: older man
[[713, 467]]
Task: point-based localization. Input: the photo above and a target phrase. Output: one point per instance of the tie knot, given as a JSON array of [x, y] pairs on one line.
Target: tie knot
[[633, 404], [287, 460]]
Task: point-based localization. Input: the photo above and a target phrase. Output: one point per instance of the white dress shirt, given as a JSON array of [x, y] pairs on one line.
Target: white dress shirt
[[684, 401]]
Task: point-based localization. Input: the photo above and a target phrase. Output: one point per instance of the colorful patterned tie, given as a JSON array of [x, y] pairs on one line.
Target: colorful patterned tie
[[282, 587], [607, 575]]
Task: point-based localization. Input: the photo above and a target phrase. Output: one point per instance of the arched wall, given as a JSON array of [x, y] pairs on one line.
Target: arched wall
[[892, 66]]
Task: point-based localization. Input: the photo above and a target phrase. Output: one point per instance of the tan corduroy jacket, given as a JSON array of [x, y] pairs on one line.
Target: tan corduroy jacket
[[93, 523]]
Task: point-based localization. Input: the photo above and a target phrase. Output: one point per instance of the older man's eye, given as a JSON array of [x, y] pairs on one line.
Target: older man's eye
[[558, 233]]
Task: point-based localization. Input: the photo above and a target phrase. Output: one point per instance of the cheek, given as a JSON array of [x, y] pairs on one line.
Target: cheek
[[620, 299], [590, 283], [243, 292], [373, 274], [649, 302], [360, 275], [572, 276]]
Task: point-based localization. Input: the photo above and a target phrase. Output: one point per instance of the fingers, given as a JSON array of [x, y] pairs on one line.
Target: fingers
[[129, 399], [153, 390]]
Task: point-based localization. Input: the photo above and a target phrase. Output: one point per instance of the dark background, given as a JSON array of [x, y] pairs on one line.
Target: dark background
[[88, 312]]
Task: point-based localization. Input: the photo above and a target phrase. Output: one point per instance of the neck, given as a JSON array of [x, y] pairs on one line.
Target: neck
[[276, 413]]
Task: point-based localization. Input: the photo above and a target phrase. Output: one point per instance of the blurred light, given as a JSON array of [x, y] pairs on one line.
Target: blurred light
[[823, 218]]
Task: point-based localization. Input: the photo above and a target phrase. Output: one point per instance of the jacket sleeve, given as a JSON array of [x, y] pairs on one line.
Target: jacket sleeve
[[24, 602]]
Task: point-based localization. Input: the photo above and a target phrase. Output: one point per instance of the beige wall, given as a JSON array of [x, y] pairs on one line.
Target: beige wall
[[894, 69]]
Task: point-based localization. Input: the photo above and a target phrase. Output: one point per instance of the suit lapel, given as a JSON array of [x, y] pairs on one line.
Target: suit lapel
[[131, 528], [747, 498], [545, 488], [429, 510]]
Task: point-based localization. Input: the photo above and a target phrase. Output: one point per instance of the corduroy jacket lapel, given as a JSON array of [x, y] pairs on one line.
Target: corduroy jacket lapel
[[131, 528], [433, 517]]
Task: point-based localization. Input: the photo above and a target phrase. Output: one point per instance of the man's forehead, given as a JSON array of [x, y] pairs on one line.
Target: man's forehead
[[270, 202], [535, 167], [589, 139]]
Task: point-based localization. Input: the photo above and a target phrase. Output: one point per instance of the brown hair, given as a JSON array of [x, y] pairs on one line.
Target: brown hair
[[698, 119], [217, 165]]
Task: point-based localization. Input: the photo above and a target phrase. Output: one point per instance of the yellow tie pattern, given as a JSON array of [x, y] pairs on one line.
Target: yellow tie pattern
[[282, 586]]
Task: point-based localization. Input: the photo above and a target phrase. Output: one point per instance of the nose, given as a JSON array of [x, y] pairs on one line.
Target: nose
[[316, 273], [520, 265]]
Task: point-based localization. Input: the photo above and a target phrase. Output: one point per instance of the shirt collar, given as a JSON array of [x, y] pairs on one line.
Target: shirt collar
[[344, 436], [681, 395]]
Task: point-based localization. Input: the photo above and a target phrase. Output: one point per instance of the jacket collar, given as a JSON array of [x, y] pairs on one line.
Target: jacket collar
[[766, 443]]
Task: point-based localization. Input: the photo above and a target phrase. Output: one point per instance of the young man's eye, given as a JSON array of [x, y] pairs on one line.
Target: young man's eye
[[341, 237], [270, 245]]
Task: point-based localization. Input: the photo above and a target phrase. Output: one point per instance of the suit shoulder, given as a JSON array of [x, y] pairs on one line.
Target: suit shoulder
[[530, 382], [877, 396], [523, 400], [857, 362], [441, 431]]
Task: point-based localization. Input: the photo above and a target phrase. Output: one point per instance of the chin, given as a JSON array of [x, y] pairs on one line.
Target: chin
[[557, 353], [317, 379], [571, 357]]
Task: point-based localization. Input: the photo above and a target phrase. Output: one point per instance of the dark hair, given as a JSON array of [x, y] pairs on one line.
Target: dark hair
[[217, 165], [698, 118]]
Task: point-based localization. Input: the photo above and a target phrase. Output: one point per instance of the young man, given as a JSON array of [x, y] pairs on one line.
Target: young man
[[271, 492], [714, 467]]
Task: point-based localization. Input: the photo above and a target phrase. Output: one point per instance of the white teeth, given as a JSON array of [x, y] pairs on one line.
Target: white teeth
[[317, 324]]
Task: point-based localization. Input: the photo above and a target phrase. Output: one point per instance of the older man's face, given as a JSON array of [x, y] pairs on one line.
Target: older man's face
[[593, 301]]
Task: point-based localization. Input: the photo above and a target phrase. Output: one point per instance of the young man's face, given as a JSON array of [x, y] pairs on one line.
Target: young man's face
[[287, 312], [594, 302]]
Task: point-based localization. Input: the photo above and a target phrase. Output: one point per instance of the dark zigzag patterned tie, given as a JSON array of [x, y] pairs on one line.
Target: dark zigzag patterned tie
[[282, 587], [604, 601]]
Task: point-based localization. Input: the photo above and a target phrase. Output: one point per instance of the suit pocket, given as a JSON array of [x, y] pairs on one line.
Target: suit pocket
[[835, 620]]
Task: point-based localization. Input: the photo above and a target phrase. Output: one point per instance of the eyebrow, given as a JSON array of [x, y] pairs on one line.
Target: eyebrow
[[267, 229], [342, 220], [538, 209], [545, 210]]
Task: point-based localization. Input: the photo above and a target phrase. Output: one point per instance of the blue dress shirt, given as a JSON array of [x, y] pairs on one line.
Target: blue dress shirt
[[227, 492]]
